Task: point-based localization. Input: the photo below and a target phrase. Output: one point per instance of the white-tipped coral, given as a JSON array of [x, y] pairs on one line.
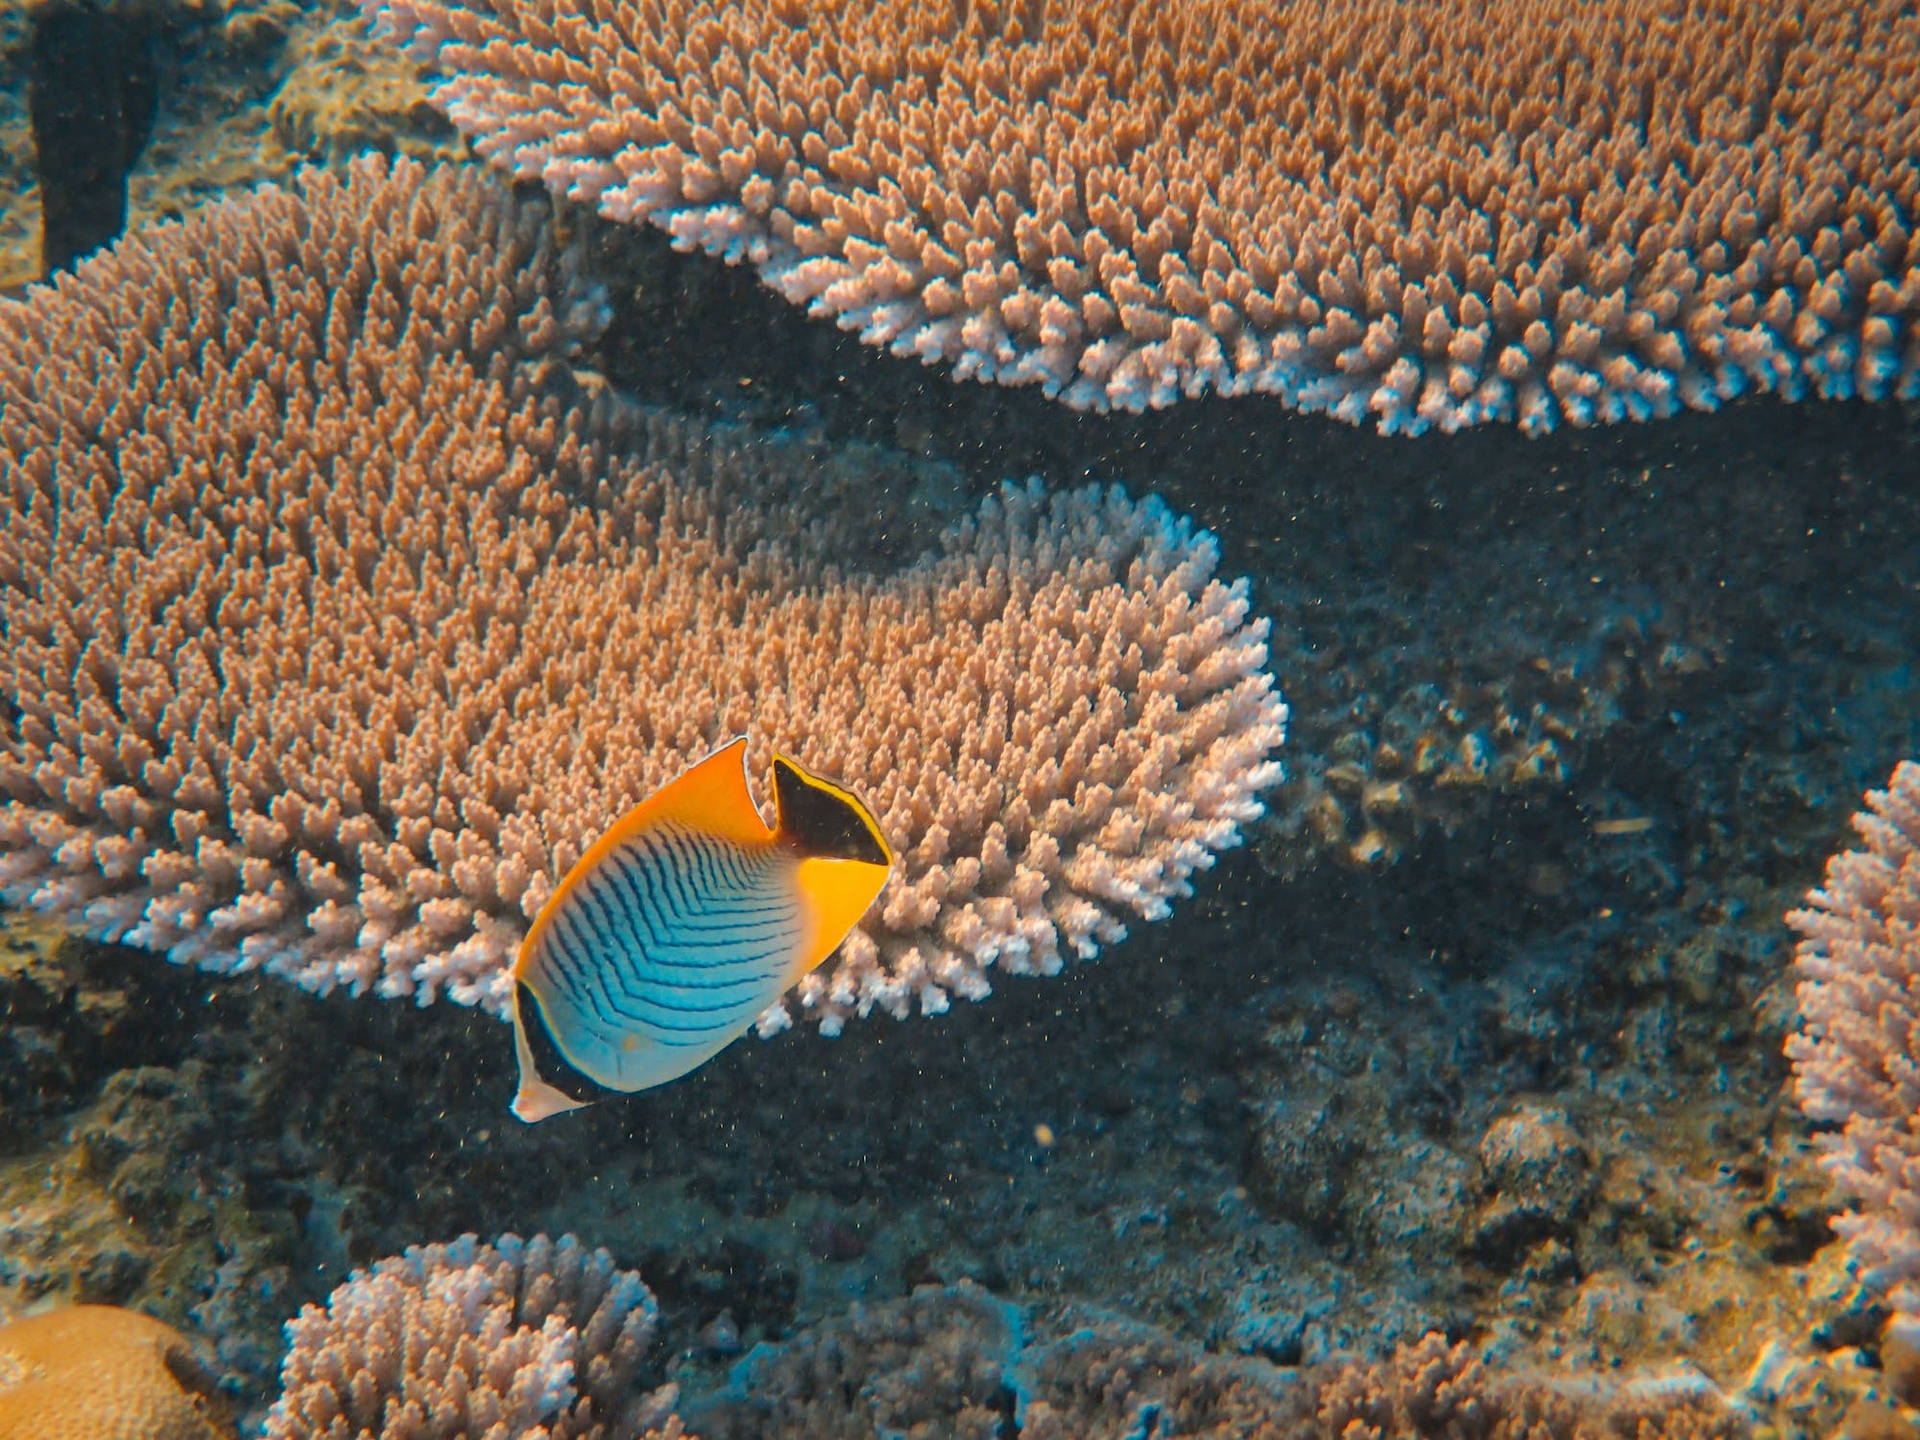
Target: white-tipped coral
[[1856, 1059], [518, 1340], [1542, 211], [335, 625]]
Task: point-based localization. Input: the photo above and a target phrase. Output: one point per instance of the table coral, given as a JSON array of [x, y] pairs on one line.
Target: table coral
[[1545, 213], [337, 619]]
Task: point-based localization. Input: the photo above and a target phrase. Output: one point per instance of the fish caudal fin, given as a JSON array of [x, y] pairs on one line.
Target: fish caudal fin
[[844, 859]]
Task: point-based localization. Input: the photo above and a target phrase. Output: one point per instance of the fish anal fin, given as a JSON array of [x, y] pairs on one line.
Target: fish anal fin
[[549, 1083], [537, 1100]]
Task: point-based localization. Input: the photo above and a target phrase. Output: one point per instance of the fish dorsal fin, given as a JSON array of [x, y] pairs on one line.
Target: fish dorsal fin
[[844, 859], [711, 798], [822, 821]]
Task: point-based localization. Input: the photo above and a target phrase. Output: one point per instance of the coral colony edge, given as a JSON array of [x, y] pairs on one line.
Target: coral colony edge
[[462, 647], [277, 754], [1390, 222]]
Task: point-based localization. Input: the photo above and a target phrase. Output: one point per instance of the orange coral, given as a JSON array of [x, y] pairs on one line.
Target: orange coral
[[334, 627], [93, 1372], [1528, 211]]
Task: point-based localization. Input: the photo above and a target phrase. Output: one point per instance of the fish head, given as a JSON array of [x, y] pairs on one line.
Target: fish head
[[536, 1100], [537, 1097]]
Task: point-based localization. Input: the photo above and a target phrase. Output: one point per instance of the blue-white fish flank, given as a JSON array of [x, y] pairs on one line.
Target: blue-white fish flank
[[681, 926]]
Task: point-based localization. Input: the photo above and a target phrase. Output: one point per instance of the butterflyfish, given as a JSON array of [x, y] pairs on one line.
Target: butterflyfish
[[682, 924]]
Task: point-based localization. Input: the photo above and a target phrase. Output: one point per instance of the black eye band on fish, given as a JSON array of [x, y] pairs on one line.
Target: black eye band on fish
[[682, 924], [548, 1063]]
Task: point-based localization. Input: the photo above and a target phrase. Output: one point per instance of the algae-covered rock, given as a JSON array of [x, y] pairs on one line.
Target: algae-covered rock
[[1537, 1177], [66, 1022]]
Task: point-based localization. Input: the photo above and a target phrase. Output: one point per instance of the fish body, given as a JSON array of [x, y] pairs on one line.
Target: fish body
[[682, 924]]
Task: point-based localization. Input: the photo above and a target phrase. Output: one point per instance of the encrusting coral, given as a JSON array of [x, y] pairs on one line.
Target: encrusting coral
[[94, 1372], [1856, 1058], [517, 1340], [337, 619], [1517, 211]]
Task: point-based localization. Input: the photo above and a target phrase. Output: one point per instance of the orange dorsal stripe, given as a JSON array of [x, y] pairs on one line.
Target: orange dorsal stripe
[[712, 797]]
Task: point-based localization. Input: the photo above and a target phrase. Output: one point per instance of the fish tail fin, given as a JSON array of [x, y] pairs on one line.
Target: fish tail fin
[[823, 821]]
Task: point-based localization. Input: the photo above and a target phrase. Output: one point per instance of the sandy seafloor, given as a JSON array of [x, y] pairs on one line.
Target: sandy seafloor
[[1442, 1048]]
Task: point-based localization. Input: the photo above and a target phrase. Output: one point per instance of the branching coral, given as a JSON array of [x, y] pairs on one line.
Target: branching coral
[[336, 622], [1857, 1058], [1537, 212], [518, 1340], [955, 1361]]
